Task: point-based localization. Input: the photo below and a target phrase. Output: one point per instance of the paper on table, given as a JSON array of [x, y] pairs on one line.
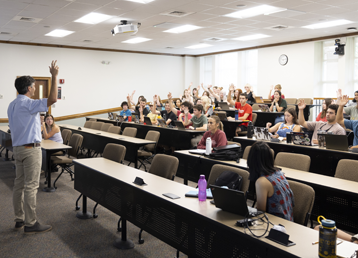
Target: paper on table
[[346, 249]]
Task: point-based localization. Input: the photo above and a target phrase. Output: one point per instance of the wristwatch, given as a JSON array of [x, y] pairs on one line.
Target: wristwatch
[[354, 238]]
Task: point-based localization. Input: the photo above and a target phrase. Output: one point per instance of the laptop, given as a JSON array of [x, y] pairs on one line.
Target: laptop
[[147, 120], [110, 116], [179, 124], [232, 201], [162, 123], [304, 138], [222, 116], [210, 111], [264, 108], [336, 142], [223, 105], [262, 133]]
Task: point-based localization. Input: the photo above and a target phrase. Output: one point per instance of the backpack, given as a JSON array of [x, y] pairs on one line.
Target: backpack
[[230, 179], [226, 155]]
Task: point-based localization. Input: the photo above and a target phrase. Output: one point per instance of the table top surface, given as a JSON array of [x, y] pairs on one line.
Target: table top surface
[[107, 134], [297, 175], [51, 145], [295, 145], [4, 128], [302, 236]]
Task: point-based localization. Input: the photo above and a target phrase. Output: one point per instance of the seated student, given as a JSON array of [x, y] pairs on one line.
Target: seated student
[[141, 107], [51, 131], [186, 108], [280, 105], [349, 124], [322, 115], [289, 125], [197, 122], [251, 97], [330, 126], [277, 87], [125, 112], [352, 109], [218, 137], [245, 110], [168, 115], [187, 97], [174, 109], [273, 193], [178, 104], [206, 103]]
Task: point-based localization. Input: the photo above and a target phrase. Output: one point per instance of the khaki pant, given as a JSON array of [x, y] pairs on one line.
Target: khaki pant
[[28, 169]]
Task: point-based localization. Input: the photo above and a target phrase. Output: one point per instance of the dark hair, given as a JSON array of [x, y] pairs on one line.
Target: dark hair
[[140, 97], [124, 103], [22, 83], [207, 93], [328, 102], [244, 94], [334, 107], [48, 115], [199, 107], [186, 104], [293, 113], [260, 161], [280, 100], [354, 100], [143, 99]]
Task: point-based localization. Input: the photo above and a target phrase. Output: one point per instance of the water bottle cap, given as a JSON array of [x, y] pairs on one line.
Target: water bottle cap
[[202, 176], [328, 223]]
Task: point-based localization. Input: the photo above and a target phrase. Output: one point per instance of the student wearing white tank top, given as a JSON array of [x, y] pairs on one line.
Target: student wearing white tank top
[[50, 130]]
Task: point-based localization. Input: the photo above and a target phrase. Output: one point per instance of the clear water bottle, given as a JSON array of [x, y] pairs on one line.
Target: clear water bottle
[[208, 146], [274, 108], [202, 188]]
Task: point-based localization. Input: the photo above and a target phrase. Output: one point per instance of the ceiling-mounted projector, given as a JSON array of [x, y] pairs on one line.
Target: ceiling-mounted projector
[[125, 27]]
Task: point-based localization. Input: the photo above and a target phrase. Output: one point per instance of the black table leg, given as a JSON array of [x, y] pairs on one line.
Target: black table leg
[[84, 214], [123, 243], [6, 155], [186, 168], [49, 188]]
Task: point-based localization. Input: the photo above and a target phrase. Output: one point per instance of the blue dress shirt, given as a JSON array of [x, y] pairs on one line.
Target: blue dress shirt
[[353, 125], [24, 119]]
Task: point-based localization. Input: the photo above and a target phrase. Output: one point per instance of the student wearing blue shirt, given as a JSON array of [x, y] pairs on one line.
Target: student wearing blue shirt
[[24, 122], [349, 124], [125, 112]]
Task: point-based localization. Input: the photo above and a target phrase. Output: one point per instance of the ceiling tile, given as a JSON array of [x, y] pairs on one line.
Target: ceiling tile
[[219, 11]]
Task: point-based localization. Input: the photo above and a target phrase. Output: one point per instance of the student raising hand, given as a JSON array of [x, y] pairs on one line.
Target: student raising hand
[[301, 104]]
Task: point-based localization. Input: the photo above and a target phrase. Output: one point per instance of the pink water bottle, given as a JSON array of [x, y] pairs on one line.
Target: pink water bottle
[[202, 188]]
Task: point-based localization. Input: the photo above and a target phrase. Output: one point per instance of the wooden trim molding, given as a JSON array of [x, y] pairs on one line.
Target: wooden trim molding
[[331, 98]]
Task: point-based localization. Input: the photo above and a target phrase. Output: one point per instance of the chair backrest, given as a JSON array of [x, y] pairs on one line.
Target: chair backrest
[[97, 125], [255, 107], [88, 124], [93, 119], [254, 117], [293, 160], [291, 106], [114, 152], [304, 196], [114, 129], [76, 143], [105, 127], [152, 136], [308, 101], [218, 169], [291, 101], [130, 131], [247, 151], [164, 165], [66, 135], [347, 169]]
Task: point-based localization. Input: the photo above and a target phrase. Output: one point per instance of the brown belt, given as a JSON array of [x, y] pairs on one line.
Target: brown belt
[[32, 145]]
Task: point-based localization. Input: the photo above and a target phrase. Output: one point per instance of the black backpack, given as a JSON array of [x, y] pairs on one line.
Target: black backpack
[[226, 155], [230, 179]]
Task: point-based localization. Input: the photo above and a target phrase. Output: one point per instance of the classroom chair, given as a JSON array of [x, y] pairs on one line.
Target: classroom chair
[[105, 127], [97, 125], [347, 169], [293, 160], [114, 129], [88, 124], [130, 131], [254, 117]]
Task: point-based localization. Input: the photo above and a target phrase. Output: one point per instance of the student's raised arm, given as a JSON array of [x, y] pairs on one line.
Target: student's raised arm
[[301, 119], [229, 99], [343, 101]]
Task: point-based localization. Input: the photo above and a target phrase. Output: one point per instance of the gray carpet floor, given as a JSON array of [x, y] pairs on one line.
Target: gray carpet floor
[[70, 237]]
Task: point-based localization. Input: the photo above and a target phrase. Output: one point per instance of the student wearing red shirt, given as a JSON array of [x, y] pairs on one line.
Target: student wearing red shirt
[[322, 115], [218, 137]]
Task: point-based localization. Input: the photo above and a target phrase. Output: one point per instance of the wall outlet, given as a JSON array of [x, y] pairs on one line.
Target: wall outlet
[[1, 96]]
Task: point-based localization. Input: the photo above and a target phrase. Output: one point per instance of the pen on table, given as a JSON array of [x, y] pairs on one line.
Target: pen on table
[[315, 243]]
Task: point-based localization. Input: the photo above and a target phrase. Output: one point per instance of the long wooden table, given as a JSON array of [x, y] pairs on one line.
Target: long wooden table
[[336, 198], [97, 140], [323, 161], [195, 228], [179, 139]]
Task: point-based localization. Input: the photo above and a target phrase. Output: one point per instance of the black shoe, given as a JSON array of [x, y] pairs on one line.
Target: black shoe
[[19, 225], [37, 228]]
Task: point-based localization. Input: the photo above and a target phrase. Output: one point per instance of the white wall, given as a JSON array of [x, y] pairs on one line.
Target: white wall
[[191, 71], [90, 85]]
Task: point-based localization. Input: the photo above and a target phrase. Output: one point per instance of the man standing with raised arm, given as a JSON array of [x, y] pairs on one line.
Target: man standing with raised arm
[[24, 121], [349, 124], [330, 126]]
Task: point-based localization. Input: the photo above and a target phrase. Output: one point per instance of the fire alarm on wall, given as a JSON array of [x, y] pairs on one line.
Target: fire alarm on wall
[[62, 81]]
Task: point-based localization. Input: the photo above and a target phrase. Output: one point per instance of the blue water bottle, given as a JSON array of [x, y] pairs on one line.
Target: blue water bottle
[[327, 238], [202, 188], [236, 114]]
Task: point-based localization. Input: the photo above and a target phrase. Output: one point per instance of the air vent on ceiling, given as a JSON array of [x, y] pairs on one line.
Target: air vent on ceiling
[[87, 40], [169, 47], [5, 33], [279, 27], [177, 14], [214, 39], [26, 19]]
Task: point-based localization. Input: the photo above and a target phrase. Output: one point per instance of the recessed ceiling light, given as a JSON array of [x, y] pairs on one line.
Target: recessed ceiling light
[[183, 28], [136, 40], [255, 11], [252, 37], [327, 24], [199, 46], [141, 1], [59, 33], [352, 29], [93, 18]]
